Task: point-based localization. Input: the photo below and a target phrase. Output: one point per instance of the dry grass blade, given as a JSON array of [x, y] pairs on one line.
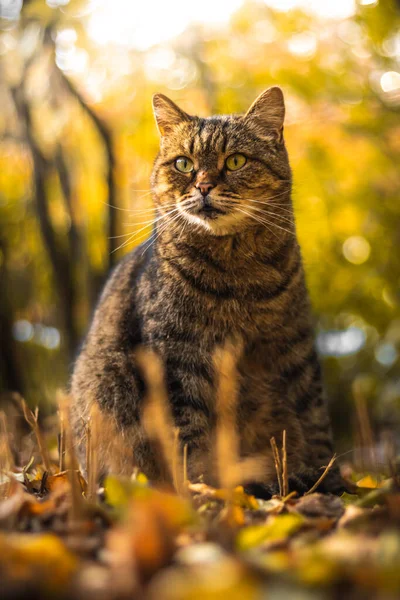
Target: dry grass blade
[[227, 445], [389, 452], [32, 420], [92, 444], [365, 434], [157, 417], [324, 474], [285, 480], [6, 457], [71, 462], [232, 470], [185, 471], [175, 456], [248, 469], [61, 444], [278, 464], [5, 443]]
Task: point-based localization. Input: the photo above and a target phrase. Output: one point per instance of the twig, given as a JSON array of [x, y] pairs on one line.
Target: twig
[[32, 420], [324, 474]]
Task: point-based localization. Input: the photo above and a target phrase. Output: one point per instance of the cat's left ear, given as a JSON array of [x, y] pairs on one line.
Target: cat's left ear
[[268, 113], [167, 114]]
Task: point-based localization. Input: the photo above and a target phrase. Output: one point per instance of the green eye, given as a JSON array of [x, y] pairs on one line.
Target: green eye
[[235, 162], [184, 165]]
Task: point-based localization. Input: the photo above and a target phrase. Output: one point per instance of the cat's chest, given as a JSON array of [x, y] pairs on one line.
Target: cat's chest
[[179, 301]]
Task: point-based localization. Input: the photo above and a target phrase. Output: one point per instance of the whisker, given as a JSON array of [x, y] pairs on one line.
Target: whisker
[[281, 207], [159, 232], [185, 203], [122, 208], [274, 197], [262, 211], [271, 223], [150, 221], [252, 216], [136, 233], [115, 207], [276, 225], [184, 226]]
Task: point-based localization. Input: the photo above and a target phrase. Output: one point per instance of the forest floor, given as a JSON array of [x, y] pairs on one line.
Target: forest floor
[[64, 537]]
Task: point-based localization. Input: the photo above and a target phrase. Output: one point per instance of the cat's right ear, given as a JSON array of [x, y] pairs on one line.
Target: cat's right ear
[[167, 114], [267, 113]]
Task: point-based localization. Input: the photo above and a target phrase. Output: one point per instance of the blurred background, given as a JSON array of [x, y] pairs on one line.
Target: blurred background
[[78, 140]]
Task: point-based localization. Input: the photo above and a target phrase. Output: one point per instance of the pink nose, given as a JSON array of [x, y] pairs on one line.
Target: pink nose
[[204, 187]]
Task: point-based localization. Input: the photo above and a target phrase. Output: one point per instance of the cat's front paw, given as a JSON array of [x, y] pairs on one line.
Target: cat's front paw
[[263, 491]]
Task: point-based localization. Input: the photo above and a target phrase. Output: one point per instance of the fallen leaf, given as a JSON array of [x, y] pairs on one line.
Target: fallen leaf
[[349, 499], [369, 482], [320, 505], [41, 558], [280, 527]]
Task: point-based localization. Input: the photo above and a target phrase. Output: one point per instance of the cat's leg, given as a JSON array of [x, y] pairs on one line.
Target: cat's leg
[[195, 424], [106, 395], [318, 453], [269, 423]]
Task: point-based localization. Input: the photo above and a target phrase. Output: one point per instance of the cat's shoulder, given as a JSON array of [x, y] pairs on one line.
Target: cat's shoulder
[[127, 271]]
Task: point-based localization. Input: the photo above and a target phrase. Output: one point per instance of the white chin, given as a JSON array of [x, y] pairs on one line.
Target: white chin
[[220, 225]]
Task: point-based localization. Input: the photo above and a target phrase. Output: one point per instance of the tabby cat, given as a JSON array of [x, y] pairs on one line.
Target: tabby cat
[[224, 262]]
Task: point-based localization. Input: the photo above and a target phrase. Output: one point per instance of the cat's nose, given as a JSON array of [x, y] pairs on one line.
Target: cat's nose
[[204, 187]]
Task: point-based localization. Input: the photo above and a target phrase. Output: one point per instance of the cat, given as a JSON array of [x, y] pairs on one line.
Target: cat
[[224, 261]]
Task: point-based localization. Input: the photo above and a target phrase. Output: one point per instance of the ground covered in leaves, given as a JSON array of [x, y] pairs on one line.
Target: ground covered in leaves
[[130, 540]]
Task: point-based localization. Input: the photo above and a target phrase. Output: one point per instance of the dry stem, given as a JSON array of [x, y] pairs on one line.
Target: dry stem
[[278, 464], [227, 444], [285, 481], [92, 462], [157, 415], [6, 457], [185, 471], [364, 426], [32, 420], [324, 474], [71, 462]]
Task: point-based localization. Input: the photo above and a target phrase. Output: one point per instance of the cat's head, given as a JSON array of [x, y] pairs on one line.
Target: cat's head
[[222, 173]]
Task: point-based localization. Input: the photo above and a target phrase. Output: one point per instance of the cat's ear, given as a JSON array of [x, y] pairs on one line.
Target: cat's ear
[[167, 114], [268, 113]]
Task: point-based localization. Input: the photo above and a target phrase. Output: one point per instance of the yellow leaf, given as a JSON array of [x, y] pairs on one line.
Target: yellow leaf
[[369, 482], [281, 527], [38, 556]]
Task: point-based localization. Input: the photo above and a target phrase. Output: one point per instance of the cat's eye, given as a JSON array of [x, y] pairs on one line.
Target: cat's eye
[[184, 165], [235, 162]]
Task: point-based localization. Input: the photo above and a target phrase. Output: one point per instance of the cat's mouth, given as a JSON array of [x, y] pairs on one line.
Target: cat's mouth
[[210, 212], [207, 210]]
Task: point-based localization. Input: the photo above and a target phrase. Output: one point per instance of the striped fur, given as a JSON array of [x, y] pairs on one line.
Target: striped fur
[[205, 279]]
